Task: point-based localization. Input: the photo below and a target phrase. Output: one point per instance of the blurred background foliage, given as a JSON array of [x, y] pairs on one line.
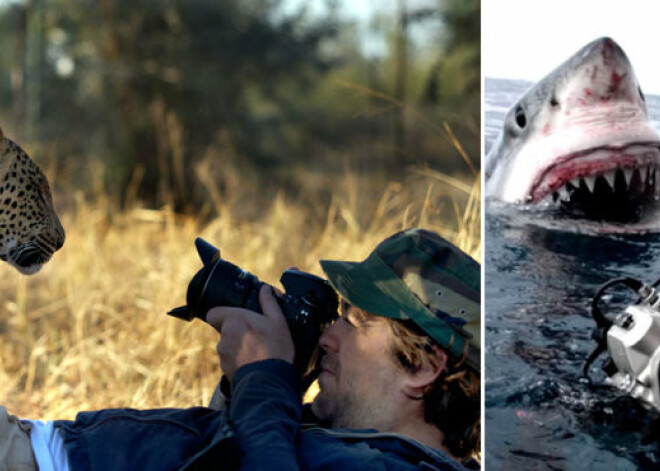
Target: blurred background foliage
[[175, 103]]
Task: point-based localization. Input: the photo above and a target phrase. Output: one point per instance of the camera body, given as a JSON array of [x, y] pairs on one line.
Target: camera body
[[308, 304], [633, 344]]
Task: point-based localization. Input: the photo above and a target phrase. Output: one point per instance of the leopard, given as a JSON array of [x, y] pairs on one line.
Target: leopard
[[30, 229]]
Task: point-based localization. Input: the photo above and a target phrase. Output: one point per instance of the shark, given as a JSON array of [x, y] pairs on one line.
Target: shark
[[580, 140]]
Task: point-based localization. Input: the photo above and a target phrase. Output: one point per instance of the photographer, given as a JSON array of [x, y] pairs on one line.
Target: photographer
[[399, 382], [396, 362]]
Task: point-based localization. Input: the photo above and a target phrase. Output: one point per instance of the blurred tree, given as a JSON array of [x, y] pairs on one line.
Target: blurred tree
[[152, 84], [18, 71], [147, 90], [456, 74], [454, 79]]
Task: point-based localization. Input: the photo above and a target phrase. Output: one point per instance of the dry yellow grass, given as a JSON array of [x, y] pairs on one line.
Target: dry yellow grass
[[90, 331]]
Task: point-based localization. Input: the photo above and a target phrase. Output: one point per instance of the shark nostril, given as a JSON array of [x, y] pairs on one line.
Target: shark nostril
[[641, 94]]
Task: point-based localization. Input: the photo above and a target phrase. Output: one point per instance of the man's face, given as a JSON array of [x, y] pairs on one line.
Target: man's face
[[360, 380]]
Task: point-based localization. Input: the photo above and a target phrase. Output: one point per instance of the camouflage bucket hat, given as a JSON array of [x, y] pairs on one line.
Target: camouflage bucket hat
[[416, 274]]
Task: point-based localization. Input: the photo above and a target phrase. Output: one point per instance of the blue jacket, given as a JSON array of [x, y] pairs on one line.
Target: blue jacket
[[265, 413]]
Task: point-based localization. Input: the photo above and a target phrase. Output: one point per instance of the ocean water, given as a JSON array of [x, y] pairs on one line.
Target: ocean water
[[540, 281]]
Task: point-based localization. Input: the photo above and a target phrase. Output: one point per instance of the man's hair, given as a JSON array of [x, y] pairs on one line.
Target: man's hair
[[453, 402]]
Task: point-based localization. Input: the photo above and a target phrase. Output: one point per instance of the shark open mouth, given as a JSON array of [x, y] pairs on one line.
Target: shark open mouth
[[609, 183]]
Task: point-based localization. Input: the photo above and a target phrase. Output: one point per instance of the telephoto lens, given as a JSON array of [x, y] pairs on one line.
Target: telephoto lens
[[308, 304]]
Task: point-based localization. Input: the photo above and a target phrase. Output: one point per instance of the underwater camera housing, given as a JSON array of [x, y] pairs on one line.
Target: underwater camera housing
[[308, 304], [632, 341]]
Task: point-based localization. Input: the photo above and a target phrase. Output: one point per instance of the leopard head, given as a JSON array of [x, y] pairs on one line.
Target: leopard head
[[30, 231]]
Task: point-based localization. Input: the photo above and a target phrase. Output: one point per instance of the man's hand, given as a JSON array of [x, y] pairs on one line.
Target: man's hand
[[247, 336]]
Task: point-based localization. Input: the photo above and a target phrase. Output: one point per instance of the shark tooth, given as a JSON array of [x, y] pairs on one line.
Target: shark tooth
[[627, 173], [609, 178], [590, 182], [547, 200], [563, 192], [650, 178]]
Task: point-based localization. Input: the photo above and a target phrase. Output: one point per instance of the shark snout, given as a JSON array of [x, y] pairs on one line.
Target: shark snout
[[604, 75]]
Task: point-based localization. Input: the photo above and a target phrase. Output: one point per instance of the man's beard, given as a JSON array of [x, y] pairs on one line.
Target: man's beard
[[325, 406], [338, 410], [351, 408]]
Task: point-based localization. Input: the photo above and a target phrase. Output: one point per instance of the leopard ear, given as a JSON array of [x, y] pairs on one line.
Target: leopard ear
[[3, 141]]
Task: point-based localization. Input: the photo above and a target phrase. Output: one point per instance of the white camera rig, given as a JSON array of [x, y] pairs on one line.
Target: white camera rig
[[632, 341]]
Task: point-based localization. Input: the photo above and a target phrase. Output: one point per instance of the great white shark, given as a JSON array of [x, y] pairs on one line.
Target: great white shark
[[580, 140]]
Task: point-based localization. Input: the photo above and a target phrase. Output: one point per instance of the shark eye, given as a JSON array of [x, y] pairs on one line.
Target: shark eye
[[641, 95], [521, 120], [553, 101]]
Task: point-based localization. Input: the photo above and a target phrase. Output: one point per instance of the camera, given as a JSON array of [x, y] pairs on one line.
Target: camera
[[308, 304], [632, 342]]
